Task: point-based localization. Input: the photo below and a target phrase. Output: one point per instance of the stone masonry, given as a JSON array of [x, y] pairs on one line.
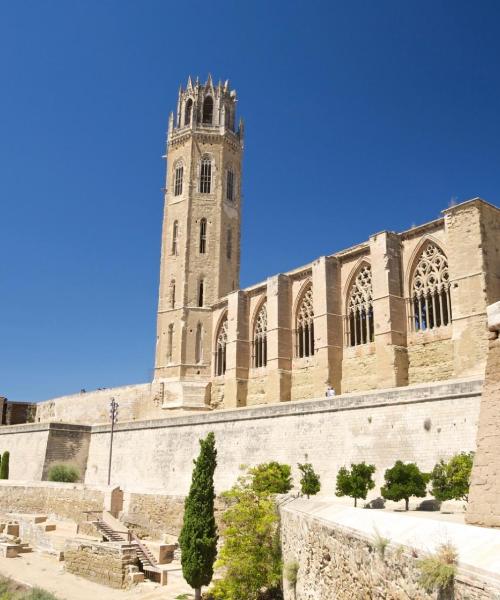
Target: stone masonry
[[484, 498]]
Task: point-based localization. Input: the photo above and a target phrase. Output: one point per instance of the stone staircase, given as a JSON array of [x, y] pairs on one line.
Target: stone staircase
[[125, 535]]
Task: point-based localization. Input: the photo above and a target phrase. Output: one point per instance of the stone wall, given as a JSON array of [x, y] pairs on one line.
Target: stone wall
[[104, 563], [420, 423], [64, 500], [153, 514], [429, 358], [339, 563]]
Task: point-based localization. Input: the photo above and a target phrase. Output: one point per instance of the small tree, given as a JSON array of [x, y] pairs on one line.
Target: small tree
[[198, 538], [250, 558], [4, 468], [310, 483], [451, 480], [63, 473], [403, 481], [355, 482], [271, 478]]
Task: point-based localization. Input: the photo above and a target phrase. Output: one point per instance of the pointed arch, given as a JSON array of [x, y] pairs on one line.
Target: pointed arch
[[188, 112], [172, 293], [259, 336], [203, 236], [429, 299], [206, 175], [170, 342], [359, 322], [304, 323], [178, 177], [198, 348], [220, 346], [208, 110]]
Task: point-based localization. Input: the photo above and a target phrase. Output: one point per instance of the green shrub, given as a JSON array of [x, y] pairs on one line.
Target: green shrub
[[355, 482], [437, 571], [38, 594], [63, 473], [310, 483], [271, 478], [403, 481], [4, 466], [450, 480], [291, 572]]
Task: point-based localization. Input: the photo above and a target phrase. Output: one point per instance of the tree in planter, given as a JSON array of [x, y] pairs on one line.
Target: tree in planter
[[4, 468], [355, 482], [403, 481], [450, 480], [271, 478], [310, 483], [198, 538], [250, 558]]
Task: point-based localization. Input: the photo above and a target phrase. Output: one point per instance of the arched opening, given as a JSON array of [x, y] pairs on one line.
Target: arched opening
[[208, 110], [229, 244], [304, 331], [170, 342], [203, 236], [230, 185], [198, 349], [220, 348], [206, 175], [359, 319], [430, 300], [175, 238], [259, 344], [179, 172], [188, 112], [172, 293], [201, 290]]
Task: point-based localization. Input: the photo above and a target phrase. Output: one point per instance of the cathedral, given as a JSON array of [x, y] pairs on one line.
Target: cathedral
[[398, 309]]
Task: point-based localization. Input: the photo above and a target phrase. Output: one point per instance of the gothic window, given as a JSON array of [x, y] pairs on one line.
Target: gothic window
[[220, 349], [203, 236], [172, 293], [227, 117], [430, 302], [175, 238], [305, 326], [198, 350], [208, 110], [259, 352], [170, 342], [229, 244], [179, 172], [188, 112], [201, 286], [360, 309], [230, 185], [206, 175]]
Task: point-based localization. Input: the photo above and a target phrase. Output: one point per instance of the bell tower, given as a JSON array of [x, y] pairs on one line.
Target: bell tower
[[200, 255]]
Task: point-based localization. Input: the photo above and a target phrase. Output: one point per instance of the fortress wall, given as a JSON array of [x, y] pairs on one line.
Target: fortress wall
[[421, 423], [27, 445], [140, 401]]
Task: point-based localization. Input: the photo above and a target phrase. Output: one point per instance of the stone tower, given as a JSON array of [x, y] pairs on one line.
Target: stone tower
[[200, 256]]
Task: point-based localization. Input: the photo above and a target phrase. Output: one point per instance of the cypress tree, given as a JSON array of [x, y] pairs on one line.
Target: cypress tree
[[198, 539], [4, 468]]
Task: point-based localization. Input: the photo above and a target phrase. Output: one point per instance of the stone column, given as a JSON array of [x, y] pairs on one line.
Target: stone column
[[484, 496], [388, 310], [279, 339], [465, 226], [328, 339], [237, 350]]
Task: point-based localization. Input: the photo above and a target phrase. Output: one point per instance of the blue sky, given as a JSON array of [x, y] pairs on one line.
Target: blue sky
[[360, 116]]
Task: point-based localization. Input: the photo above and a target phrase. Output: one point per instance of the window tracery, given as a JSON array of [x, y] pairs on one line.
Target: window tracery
[[188, 112], [206, 175], [179, 173], [220, 348], [360, 328], [305, 326], [203, 236], [260, 338], [430, 302], [208, 110]]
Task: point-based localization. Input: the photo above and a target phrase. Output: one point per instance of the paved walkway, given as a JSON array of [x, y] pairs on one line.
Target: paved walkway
[[38, 570]]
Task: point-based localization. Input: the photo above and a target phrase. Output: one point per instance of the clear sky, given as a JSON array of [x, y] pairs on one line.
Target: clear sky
[[360, 116]]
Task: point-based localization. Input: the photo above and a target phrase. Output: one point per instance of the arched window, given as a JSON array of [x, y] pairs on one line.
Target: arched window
[[259, 350], [170, 342], [220, 349], [179, 172], [229, 244], [305, 326], [175, 238], [208, 110], [198, 349], [430, 302], [206, 175], [230, 185], [188, 112], [172, 293], [203, 236], [201, 289], [359, 326]]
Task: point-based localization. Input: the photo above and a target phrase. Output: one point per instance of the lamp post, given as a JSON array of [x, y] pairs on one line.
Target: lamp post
[[113, 415]]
